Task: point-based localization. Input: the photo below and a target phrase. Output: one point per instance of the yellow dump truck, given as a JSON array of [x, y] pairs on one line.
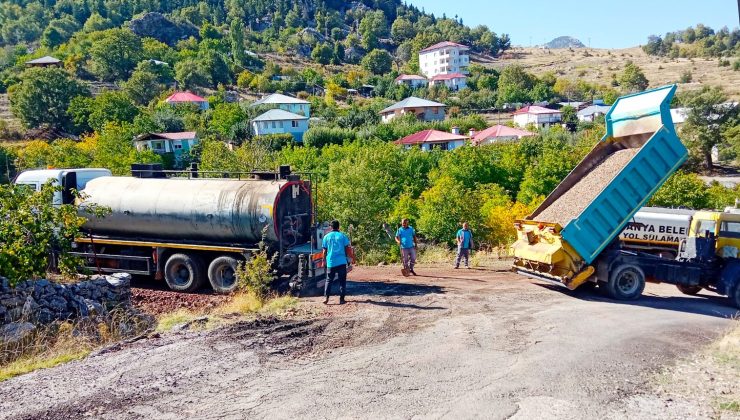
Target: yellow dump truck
[[572, 237]]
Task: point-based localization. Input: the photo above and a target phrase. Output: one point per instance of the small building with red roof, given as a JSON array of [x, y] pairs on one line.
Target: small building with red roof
[[453, 81], [433, 139], [537, 115], [414, 81], [444, 58], [498, 134], [187, 97]]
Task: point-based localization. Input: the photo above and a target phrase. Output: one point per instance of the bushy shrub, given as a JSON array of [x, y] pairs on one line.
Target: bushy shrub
[[322, 136], [255, 276]]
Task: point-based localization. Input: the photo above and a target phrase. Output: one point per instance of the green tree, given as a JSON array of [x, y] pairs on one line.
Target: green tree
[[236, 35], [632, 78], [444, 207], [114, 149], [514, 85], [115, 53], [43, 96], [216, 156], [378, 62], [142, 86], [322, 54], [707, 117], [96, 22], [682, 189], [224, 117], [192, 74], [372, 27], [402, 29], [32, 228]]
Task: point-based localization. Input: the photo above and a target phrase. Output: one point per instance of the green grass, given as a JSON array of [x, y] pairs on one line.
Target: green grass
[[169, 321], [41, 361], [733, 406]]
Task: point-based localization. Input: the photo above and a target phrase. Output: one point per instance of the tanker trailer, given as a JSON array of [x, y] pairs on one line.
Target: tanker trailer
[[188, 230]]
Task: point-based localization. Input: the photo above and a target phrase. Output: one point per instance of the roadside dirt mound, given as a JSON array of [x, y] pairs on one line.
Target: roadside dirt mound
[[157, 302]]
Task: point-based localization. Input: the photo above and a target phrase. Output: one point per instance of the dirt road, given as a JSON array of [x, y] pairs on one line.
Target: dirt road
[[449, 343]]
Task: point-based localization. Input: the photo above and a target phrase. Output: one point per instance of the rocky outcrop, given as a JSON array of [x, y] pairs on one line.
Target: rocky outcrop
[[42, 302], [565, 42], [157, 26]]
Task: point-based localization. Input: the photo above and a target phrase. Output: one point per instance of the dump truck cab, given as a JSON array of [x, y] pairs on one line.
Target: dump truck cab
[[725, 227]]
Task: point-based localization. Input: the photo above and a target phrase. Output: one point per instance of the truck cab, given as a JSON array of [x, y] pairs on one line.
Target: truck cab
[[724, 226], [68, 178]]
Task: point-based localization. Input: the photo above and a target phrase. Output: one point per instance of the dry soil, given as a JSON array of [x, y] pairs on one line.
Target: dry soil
[[446, 344]]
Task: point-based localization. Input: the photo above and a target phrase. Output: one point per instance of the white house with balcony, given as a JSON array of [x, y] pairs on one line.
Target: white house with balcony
[[279, 121], [286, 103], [423, 109], [453, 81], [444, 58], [537, 115]]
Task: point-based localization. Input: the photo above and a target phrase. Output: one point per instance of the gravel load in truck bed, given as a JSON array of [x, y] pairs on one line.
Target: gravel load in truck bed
[[576, 199]]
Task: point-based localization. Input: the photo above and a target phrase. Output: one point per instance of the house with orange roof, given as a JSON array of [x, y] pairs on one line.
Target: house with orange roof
[[434, 139]]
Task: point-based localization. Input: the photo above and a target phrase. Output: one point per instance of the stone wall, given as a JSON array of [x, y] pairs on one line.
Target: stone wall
[[42, 302]]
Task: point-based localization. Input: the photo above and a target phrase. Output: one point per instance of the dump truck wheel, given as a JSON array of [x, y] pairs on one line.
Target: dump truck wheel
[[689, 290], [222, 274], [626, 282], [183, 272], [735, 295]]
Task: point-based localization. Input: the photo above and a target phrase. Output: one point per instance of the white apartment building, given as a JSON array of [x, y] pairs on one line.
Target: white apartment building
[[444, 58]]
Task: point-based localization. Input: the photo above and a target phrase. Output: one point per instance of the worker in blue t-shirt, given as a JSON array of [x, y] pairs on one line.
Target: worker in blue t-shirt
[[336, 255], [464, 239], [406, 239]]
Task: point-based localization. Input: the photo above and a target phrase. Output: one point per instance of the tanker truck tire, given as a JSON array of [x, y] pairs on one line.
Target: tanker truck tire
[[689, 290], [183, 272], [222, 274], [735, 295], [626, 282]]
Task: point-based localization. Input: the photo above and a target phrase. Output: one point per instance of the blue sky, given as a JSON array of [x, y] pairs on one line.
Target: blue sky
[[609, 24]]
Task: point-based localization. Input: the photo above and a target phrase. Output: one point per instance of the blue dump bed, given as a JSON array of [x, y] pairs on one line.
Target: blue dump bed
[[594, 203]]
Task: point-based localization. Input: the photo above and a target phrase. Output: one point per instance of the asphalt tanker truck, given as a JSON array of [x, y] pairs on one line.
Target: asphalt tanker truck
[[189, 231], [572, 237]]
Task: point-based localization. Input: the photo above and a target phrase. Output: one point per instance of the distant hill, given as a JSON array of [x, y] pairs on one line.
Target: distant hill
[[565, 42]]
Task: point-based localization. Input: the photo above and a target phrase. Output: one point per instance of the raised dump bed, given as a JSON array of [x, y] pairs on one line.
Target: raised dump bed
[[594, 203]]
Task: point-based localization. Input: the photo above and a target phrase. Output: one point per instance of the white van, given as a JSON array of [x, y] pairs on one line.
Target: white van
[[76, 178]]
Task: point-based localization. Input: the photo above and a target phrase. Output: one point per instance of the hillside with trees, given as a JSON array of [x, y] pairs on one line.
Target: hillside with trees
[[120, 60]]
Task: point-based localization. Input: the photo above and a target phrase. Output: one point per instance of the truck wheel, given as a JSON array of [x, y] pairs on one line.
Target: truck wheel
[[222, 274], [689, 290], [183, 273], [626, 282], [735, 295]]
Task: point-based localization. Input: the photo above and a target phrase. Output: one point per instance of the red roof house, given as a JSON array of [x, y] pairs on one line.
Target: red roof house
[[187, 97], [444, 44], [537, 115], [433, 139], [454, 81], [499, 133]]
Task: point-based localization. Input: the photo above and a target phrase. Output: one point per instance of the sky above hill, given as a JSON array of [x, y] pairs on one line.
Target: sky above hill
[[608, 24]]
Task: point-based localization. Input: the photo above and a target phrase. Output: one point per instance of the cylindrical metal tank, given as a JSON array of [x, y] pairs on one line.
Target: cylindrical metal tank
[[208, 210]]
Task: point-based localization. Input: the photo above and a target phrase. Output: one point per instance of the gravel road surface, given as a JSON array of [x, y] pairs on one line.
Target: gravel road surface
[[450, 343]]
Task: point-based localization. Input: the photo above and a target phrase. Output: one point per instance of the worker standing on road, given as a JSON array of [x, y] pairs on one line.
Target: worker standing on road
[[337, 256], [406, 239], [464, 239]]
